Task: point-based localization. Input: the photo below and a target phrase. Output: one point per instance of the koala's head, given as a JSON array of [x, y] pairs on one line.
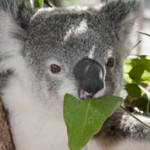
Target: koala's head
[[68, 50]]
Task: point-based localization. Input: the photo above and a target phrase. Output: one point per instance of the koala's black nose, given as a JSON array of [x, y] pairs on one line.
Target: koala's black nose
[[90, 77]]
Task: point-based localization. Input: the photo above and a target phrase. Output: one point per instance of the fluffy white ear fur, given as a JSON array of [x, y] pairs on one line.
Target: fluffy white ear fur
[[9, 45], [127, 29], [127, 37], [123, 15]]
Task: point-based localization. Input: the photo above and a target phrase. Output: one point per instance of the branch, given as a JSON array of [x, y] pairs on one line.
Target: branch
[[49, 3], [5, 135], [135, 117]]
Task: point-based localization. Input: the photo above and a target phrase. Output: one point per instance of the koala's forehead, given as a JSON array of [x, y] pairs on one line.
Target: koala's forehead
[[69, 34]]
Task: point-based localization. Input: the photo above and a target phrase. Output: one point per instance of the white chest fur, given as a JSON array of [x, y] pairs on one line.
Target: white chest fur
[[34, 128]]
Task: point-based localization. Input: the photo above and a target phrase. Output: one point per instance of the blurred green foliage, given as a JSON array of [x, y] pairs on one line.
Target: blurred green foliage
[[60, 3], [137, 77], [38, 3]]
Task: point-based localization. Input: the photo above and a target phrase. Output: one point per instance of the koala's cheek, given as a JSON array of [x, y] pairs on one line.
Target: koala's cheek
[[67, 86]]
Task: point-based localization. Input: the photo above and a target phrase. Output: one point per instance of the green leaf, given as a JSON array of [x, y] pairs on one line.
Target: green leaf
[[141, 103], [136, 73], [146, 76], [127, 78], [135, 62], [146, 64], [85, 118], [133, 90], [38, 3], [127, 66]]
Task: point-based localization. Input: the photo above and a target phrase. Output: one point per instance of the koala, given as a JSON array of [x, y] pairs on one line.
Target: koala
[[48, 52]]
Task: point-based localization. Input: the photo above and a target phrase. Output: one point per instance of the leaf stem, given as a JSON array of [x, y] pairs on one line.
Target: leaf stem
[[134, 117], [144, 33], [137, 44]]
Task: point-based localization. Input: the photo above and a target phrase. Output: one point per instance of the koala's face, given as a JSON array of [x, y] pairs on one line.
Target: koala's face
[[73, 53], [59, 51]]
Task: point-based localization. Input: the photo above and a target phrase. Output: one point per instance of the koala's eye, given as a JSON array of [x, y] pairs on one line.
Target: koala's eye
[[110, 62], [55, 69]]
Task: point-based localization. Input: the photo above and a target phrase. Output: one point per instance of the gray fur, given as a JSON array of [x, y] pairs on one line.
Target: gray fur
[[19, 10], [54, 35]]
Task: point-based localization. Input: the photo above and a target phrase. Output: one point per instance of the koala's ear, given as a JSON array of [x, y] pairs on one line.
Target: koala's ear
[[15, 16], [121, 16], [19, 11]]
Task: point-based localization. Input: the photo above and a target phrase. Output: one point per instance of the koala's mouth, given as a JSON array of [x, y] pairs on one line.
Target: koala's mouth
[[85, 95]]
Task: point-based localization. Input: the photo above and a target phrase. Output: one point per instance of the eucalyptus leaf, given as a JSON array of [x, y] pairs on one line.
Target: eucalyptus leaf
[[136, 73], [146, 64], [127, 67], [146, 76], [135, 62], [38, 3], [133, 90], [84, 118], [141, 103]]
